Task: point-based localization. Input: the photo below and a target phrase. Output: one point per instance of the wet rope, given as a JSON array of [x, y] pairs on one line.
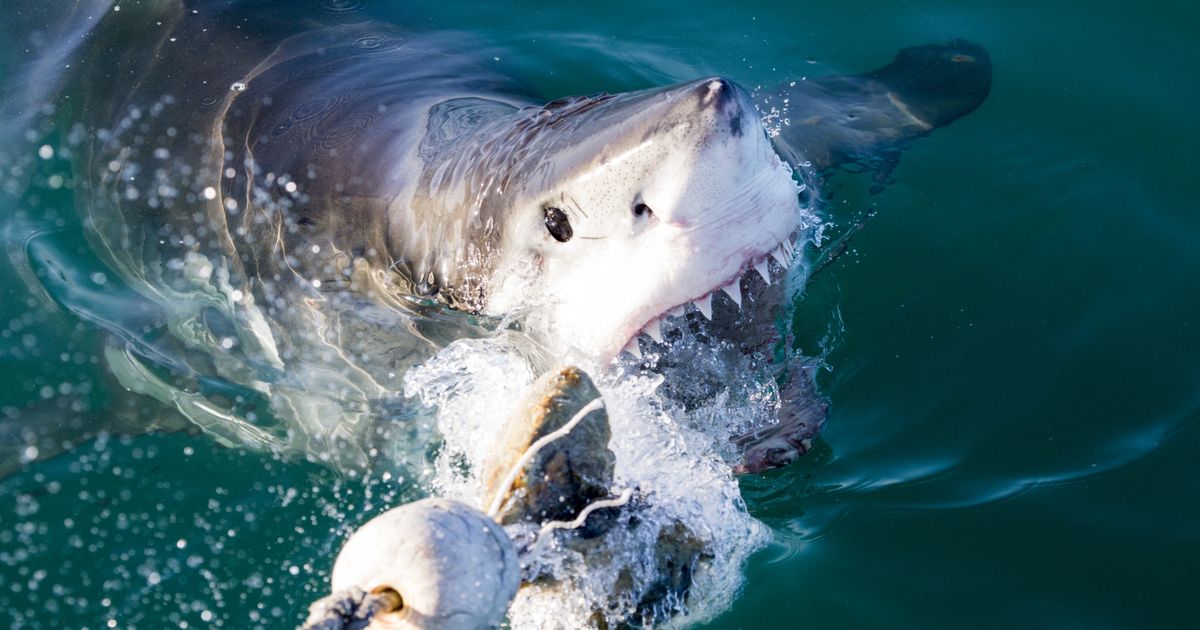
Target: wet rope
[[533, 450], [583, 514], [351, 609]]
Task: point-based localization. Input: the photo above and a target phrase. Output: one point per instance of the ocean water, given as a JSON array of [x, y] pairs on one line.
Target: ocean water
[[1008, 346]]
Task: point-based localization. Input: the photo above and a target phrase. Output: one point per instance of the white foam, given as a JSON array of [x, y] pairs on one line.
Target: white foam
[[672, 457]]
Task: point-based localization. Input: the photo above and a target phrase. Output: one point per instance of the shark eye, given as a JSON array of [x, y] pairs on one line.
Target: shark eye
[[558, 225], [641, 210]]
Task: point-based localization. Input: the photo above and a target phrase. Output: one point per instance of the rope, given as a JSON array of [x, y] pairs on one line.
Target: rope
[[532, 451], [351, 609], [592, 507]]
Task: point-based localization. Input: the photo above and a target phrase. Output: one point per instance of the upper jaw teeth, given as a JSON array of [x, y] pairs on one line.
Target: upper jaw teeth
[[654, 330], [734, 291], [761, 267], [784, 255]]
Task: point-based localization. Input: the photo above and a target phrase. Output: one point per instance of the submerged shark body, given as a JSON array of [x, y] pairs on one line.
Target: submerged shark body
[[311, 211]]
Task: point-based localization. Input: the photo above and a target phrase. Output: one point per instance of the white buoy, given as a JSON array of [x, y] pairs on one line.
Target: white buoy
[[452, 566]]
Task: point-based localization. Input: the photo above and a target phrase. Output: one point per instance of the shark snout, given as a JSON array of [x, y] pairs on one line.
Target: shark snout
[[717, 147], [732, 106]]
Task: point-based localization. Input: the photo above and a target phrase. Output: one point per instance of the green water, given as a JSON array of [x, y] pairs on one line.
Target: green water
[[1014, 380]]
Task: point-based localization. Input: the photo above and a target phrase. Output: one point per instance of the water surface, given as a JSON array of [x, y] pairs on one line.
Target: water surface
[[1010, 346]]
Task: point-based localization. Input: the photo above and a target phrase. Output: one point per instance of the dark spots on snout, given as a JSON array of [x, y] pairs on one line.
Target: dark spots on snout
[[735, 123], [721, 94]]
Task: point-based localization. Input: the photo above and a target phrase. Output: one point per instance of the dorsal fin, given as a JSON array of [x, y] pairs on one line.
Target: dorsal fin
[[839, 119]]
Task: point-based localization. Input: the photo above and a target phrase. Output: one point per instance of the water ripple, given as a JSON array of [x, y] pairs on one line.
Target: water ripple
[[341, 7], [370, 42]]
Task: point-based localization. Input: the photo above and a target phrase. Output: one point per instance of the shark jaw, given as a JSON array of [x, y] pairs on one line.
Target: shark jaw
[[732, 292], [613, 300], [671, 204]]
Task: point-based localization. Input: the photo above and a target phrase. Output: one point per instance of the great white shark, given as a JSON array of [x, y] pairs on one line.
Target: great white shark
[[243, 179]]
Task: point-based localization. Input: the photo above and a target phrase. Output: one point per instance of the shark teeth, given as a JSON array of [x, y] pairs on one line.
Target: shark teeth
[[761, 267], [781, 257], [654, 330], [784, 254], [734, 291]]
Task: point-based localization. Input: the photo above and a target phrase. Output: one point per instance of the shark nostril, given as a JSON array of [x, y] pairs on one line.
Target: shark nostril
[[716, 86], [717, 91], [642, 210]]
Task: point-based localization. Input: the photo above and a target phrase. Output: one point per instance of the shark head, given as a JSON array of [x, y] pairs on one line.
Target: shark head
[[633, 206], [597, 216]]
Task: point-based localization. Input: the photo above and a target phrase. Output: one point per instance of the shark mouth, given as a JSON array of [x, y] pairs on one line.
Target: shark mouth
[[652, 331]]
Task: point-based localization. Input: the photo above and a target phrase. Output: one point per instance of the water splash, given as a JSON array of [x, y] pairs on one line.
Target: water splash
[[673, 456]]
